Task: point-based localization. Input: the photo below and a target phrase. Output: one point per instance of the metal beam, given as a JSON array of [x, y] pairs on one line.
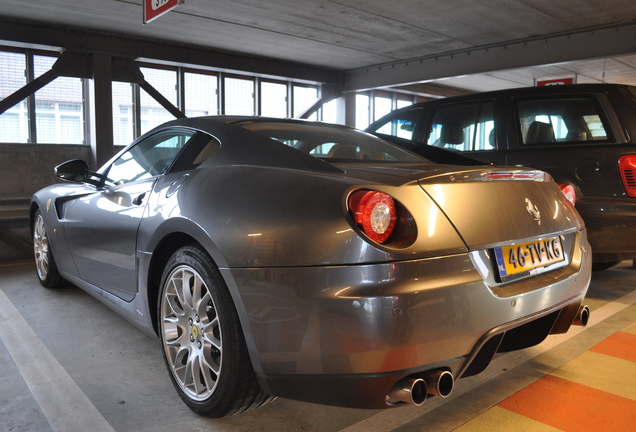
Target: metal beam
[[597, 42], [127, 70], [68, 64]]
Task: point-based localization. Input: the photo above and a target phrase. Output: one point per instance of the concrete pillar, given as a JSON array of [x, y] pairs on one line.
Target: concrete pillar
[[350, 109], [100, 107]]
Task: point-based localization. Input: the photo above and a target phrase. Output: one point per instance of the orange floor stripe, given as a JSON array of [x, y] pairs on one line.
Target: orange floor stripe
[[621, 345], [573, 407]]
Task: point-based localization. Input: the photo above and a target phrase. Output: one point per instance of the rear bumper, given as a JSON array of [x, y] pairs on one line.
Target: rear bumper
[[610, 226], [369, 390], [344, 335]]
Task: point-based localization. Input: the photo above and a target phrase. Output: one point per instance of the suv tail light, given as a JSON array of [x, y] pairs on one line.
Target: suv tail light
[[569, 192], [627, 167]]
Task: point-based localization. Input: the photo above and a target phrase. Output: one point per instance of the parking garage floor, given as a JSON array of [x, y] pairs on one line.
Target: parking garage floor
[[68, 363]]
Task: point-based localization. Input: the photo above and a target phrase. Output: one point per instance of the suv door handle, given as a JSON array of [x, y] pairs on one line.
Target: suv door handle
[[139, 199]]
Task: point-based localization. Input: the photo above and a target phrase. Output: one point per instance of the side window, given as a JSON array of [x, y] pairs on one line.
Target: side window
[[401, 125], [200, 148], [150, 157], [565, 120], [468, 126]]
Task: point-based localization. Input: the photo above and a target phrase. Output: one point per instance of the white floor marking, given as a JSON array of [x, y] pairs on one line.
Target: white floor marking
[[392, 419], [63, 403]]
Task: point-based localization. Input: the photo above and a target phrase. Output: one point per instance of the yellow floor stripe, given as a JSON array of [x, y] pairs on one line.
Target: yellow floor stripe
[[499, 419], [630, 328], [602, 372]]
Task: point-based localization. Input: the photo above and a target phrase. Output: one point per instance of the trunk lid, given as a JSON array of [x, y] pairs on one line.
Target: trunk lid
[[490, 206]]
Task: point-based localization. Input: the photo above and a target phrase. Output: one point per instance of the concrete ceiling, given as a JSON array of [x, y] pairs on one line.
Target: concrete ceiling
[[433, 46]]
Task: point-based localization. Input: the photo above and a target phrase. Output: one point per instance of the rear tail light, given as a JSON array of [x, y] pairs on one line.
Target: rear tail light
[[569, 192], [627, 167], [375, 214]]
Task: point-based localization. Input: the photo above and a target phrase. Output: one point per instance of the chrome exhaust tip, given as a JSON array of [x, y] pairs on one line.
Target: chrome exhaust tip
[[409, 390], [582, 316], [440, 383]]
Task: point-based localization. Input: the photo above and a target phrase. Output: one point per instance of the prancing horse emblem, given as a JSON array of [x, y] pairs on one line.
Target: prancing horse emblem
[[533, 210]]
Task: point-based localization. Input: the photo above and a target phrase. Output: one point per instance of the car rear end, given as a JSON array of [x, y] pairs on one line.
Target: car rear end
[[481, 261]]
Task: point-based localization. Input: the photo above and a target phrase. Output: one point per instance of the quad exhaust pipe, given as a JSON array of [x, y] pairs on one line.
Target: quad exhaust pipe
[[582, 316], [410, 390], [414, 390], [440, 383]]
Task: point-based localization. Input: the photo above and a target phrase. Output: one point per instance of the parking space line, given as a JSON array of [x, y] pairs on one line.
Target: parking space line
[[63, 403], [392, 419]]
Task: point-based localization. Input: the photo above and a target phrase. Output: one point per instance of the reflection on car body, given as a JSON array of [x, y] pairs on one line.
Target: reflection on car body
[[581, 134], [312, 261]]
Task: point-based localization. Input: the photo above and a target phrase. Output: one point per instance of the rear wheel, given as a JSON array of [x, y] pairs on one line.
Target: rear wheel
[[45, 265], [202, 340]]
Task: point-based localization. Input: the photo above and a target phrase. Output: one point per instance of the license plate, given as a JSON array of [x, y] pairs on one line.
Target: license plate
[[524, 257]]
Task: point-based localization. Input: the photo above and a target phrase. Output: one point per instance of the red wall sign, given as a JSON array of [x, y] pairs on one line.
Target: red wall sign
[[560, 81], [155, 8]]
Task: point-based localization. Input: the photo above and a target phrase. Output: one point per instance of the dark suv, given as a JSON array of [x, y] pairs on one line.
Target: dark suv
[[584, 135]]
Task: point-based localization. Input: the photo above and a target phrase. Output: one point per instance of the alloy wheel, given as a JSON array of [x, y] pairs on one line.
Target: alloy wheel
[[191, 333]]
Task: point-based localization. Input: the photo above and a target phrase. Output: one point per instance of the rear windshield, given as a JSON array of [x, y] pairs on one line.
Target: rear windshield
[[333, 143]]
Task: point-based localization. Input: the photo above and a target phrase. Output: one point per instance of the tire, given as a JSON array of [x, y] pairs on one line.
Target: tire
[[203, 344], [45, 266]]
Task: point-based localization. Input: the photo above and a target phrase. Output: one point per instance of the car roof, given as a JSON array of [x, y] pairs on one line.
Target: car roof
[[527, 91]]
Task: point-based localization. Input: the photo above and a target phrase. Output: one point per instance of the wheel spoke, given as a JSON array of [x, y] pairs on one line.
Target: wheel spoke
[[207, 372], [210, 330]]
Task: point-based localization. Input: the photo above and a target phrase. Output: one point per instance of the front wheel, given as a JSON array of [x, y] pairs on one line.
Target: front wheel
[[45, 265], [203, 345]]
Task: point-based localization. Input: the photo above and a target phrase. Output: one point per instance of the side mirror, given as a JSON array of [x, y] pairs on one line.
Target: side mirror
[[77, 171], [74, 170]]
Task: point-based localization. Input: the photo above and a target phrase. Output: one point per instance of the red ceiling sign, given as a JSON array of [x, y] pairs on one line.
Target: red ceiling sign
[[155, 8], [560, 81]]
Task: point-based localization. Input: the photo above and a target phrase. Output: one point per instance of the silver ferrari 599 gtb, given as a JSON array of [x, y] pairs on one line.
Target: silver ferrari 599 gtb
[[312, 261]]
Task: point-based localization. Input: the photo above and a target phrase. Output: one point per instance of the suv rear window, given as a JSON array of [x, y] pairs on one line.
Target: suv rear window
[[565, 120]]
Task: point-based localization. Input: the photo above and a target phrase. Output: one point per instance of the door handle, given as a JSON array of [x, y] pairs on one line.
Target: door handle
[[139, 199]]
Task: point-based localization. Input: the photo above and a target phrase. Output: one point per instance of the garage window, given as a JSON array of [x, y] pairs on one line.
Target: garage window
[[14, 123], [273, 97], [239, 96], [304, 98], [59, 106], [201, 94]]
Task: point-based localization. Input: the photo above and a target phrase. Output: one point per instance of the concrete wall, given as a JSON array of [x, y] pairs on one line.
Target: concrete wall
[[24, 169]]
